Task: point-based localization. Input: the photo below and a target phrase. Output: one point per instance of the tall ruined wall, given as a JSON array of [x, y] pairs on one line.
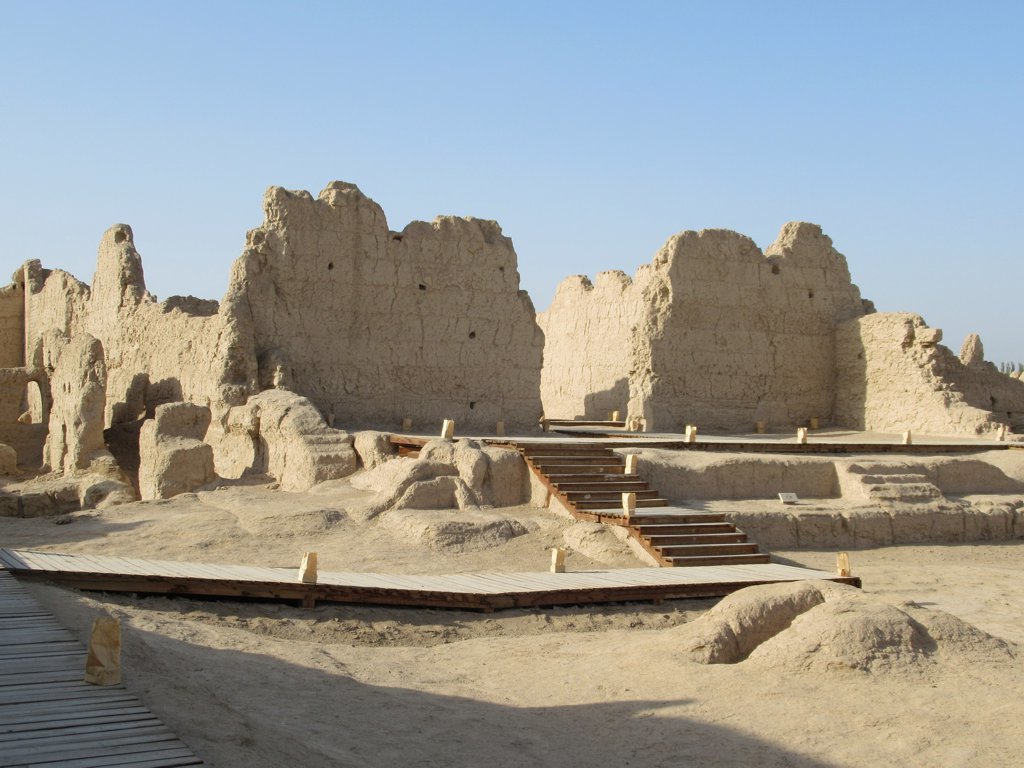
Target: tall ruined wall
[[893, 375], [12, 326], [587, 345], [731, 336], [154, 352], [374, 325]]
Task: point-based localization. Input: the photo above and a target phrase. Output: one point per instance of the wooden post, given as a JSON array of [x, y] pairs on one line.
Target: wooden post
[[691, 433], [307, 571], [544, 425], [103, 663], [557, 560], [908, 438], [406, 424], [801, 435], [615, 416], [1002, 433], [759, 427], [447, 429], [631, 460], [499, 429], [628, 504], [843, 564], [814, 422]]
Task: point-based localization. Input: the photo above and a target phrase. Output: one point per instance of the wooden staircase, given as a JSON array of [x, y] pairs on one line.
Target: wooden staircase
[[590, 480]]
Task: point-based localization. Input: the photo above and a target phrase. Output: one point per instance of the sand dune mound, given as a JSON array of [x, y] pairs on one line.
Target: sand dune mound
[[821, 625]]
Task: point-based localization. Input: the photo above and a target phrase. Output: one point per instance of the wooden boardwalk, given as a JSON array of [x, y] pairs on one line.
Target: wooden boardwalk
[[481, 591], [50, 718]]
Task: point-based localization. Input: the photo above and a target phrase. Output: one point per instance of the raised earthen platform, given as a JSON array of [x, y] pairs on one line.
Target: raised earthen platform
[[480, 591]]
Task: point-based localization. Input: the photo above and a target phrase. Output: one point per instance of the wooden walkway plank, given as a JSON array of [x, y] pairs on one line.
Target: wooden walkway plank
[[48, 715], [483, 590]]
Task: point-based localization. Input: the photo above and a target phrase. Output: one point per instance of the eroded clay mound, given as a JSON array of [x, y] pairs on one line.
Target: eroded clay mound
[[825, 626], [452, 532]]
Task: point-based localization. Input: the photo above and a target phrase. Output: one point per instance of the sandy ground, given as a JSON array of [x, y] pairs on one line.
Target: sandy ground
[[260, 684]]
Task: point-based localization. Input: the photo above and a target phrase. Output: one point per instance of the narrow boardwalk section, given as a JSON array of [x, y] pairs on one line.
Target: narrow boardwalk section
[[481, 591], [50, 718]]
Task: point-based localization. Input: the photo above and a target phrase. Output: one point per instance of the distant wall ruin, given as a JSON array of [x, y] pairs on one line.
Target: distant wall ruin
[[713, 332], [893, 374]]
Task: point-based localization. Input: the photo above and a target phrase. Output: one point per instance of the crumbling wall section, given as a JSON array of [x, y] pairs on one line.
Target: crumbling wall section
[[160, 353], [12, 325], [893, 375], [373, 325], [732, 336], [587, 345]]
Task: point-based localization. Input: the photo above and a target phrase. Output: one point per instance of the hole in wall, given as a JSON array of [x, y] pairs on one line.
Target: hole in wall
[[775, 269], [472, 404], [993, 401], [423, 287], [472, 334], [330, 265], [501, 269], [397, 238], [120, 236], [810, 294]]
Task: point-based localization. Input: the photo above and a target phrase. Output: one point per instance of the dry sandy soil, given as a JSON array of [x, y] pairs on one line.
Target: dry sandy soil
[[260, 684]]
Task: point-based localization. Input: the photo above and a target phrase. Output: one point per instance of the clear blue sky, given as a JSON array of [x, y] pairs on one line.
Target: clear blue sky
[[592, 131]]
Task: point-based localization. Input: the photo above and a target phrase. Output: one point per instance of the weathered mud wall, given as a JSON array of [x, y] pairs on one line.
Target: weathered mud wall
[[714, 332], [154, 353], [587, 345], [894, 375], [374, 326]]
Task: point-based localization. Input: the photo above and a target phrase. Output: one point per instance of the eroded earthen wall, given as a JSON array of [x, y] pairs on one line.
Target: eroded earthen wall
[[893, 375], [374, 326], [587, 345]]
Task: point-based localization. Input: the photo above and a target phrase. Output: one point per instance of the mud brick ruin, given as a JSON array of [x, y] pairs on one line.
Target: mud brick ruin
[[332, 322]]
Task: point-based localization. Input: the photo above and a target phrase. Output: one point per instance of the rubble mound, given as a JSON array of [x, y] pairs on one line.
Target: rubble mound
[[819, 625]]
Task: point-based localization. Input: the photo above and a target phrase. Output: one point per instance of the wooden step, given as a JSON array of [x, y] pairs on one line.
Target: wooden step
[[677, 562], [574, 423], [584, 471], [563, 450], [591, 477], [681, 524], [598, 495], [699, 550], [617, 504], [726, 537], [569, 459], [616, 483]]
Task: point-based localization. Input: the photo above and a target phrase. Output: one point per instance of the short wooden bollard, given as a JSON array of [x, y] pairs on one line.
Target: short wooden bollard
[[307, 571], [843, 564], [103, 663], [557, 560], [801, 435], [615, 416], [628, 504], [499, 429], [406, 424], [691, 433], [631, 460], [447, 429], [1001, 435], [908, 439], [759, 427]]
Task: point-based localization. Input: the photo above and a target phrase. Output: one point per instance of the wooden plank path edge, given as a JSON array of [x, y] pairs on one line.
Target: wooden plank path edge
[[486, 591], [49, 716]]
